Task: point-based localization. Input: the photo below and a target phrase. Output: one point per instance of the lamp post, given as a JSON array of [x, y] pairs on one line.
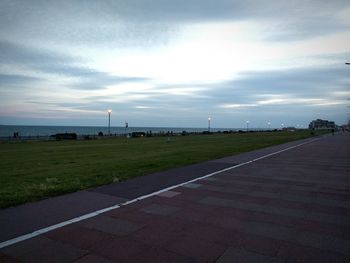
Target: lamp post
[[282, 125], [209, 119], [109, 121], [247, 125], [269, 124], [126, 126]]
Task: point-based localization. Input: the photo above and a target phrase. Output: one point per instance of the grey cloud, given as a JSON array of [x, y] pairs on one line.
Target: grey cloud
[[11, 53], [88, 78], [99, 80], [13, 79], [253, 86], [82, 22], [295, 29], [299, 83], [300, 80], [45, 61], [156, 21]]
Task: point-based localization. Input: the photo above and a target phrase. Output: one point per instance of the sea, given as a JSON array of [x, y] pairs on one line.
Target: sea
[[7, 131]]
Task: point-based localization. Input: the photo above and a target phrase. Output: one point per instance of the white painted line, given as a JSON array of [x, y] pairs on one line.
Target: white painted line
[[95, 213]]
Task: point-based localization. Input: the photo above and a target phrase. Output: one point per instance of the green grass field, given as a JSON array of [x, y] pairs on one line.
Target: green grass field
[[37, 170]]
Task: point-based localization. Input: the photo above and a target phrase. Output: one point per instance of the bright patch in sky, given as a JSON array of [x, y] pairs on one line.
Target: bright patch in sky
[[157, 63]]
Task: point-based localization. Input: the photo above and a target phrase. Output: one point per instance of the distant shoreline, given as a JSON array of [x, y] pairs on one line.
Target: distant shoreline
[[47, 130]]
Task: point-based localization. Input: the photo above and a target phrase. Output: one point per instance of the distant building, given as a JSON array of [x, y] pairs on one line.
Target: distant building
[[322, 124], [290, 128]]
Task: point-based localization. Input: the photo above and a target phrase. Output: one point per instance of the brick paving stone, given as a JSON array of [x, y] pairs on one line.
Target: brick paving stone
[[341, 220], [78, 236], [192, 185], [159, 232], [120, 249], [315, 240], [213, 234], [211, 179], [200, 193], [111, 225], [7, 259], [224, 221], [192, 215], [92, 258], [293, 253], [174, 201], [26, 246], [135, 216], [308, 198], [310, 207], [169, 194], [160, 209], [262, 245], [198, 249], [323, 228], [41, 249], [293, 213], [324, 242], [188, 195], [247, 215], [211, 200], [154, 255], [195, 212], [269, 230], [243, 256]]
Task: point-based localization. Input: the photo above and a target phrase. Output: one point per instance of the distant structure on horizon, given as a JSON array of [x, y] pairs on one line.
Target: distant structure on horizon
[[322, 124]]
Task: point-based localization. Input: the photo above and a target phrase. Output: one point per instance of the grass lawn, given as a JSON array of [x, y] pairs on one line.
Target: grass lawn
[[37, 170]]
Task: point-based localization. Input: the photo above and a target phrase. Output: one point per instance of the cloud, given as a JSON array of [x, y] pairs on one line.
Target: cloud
[[150, 22], [48, 62], [11, 53], [301, 81], [234, 106], [14, 79], [143, 107]]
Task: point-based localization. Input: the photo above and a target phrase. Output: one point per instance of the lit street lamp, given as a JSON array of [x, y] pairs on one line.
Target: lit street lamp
[[269, 124], [282, 125], [109, 121], [209, 119], [247, 125]]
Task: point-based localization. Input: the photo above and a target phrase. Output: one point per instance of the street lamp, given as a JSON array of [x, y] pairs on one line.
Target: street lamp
[[282, 125], [209, 119], [247, 125], [109, 121], [269, 124]]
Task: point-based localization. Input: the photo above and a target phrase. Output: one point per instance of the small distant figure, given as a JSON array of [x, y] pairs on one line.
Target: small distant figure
[[168, 140], [332, 131]]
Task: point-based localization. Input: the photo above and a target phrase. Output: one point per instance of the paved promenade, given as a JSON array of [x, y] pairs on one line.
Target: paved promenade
[[288, 203]]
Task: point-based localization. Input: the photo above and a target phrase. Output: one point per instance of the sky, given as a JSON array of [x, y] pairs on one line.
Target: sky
[[174, 63]]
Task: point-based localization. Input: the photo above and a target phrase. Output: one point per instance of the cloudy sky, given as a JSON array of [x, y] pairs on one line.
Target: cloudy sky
[[174, 63]]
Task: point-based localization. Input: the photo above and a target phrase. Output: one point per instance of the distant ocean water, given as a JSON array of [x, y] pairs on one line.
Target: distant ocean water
[[8, 130]]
